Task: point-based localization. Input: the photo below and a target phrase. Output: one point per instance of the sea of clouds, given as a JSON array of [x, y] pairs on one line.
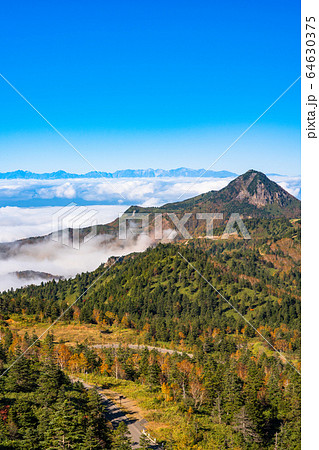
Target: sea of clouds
[[28, 208], [121, 191]]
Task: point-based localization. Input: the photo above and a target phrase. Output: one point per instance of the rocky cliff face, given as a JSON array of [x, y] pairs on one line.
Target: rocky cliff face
[[258, 190]]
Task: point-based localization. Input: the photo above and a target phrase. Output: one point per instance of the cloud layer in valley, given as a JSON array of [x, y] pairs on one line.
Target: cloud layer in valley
[[56, 259]]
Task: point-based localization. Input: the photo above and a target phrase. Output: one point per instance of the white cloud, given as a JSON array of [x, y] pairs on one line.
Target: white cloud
[[19, 223], [57, 259], [141, 191], [290, 184]]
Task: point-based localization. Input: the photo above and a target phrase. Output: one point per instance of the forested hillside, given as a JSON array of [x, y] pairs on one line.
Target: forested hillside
[[223, 397], [39, 406], [241, 392], [159, 289]]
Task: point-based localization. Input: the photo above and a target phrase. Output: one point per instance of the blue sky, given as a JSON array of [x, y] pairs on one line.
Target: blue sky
[[150, 84]]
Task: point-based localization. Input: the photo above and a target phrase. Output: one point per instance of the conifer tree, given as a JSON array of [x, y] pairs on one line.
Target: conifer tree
[[120, 439]]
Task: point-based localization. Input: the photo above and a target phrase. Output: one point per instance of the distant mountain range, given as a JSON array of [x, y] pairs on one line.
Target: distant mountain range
[[128, 173]]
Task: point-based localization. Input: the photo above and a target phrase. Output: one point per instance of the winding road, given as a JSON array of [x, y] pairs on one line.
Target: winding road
[[115, 415], [141, 347]]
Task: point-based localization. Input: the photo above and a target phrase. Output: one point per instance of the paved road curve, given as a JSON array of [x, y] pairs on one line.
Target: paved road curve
[[141, 347], [115, 415]]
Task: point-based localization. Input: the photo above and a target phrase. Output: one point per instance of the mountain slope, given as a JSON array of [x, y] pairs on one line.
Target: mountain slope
[[234, 304], [156, 298], [252, 194]]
